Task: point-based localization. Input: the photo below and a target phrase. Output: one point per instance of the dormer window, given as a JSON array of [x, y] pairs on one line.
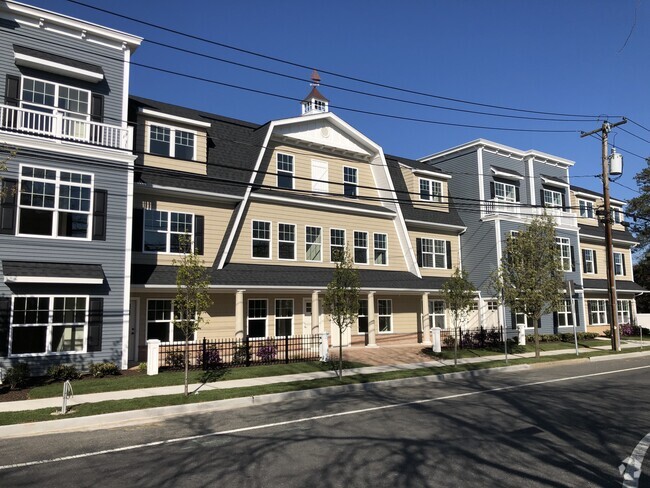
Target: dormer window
[[586, 209], [430, 190], [285, 171], [160, 142], [552, 198]]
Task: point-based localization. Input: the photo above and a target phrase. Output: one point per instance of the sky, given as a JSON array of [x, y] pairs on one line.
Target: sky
[[587, 60]]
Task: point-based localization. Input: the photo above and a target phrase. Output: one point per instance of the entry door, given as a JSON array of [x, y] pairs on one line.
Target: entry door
[[133, 330], [306, 316]]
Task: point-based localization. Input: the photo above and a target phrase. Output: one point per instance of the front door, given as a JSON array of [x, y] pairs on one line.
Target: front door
[[133, 335], [306, 316]]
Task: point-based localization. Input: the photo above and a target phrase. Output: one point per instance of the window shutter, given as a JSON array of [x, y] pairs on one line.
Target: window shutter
[[97, 107], [591, 320], [556, 321], [584, 260], [541, 197], [623, 262], [593, 253], [199, 225], [492, 193], [563, 201], [138, 230], [12, 91], [99, 215], [5, 309], [8, 206], [95, 322], [517, 194], [573, 261], [418, 245], [448, 254]]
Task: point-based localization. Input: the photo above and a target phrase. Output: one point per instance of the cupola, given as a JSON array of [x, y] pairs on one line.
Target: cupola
[[315, 102]]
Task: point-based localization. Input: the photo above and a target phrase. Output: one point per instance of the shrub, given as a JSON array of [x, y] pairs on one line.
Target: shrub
[[210, 359], [100, 370], [267, 352], [175, 359], [239, 355], [63, 372], [583, 336], [142, 367], [17, 376], [627, 330], [448, 341]]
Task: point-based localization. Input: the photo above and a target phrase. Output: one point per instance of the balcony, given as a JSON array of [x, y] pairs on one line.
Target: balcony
[[61, 128], [515, 210]]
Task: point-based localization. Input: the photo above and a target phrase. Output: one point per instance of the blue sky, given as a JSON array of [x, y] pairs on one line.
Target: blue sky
[[586, 57]]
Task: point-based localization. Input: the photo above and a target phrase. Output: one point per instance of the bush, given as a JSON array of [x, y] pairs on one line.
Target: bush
[[239, 355], [586, 336], [142, 367], [175, 359], [100, 370], [267, 352], [210, 359], [63, 372], [17, 376], [449, 341]]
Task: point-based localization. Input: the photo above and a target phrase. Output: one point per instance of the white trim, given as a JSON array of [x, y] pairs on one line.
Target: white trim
[[136, 334], [52, 279], [322, 244], [356, 182], [461, 228], [589, 196], [367, 248], [173, 129], [266, 317], [270, 239], [168, 232], [434, 174], [532, 194], [275, 316], [57, 68], [284, 171], [374, 263], [481, 180], [157, 189], [283, 288], [552, 182], [602, 238], [125, 90], [328, 205], [128, 250], [506, 175], [345, 242], [173, 118], [295, 241], [431, 196]]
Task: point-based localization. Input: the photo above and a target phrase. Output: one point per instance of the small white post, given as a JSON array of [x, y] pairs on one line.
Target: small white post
[[153, 351], [522, 336], [324, 347], [67, 393], [437, 346]]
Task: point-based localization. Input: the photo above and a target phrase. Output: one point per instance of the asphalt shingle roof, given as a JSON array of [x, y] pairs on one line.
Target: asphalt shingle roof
[[52, 270], [620, 285]]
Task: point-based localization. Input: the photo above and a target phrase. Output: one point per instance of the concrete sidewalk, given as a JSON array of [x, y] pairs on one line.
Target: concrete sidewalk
[[197, 388]]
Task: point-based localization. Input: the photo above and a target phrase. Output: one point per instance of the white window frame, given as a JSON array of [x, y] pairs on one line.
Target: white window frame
[[281, 241], [586, 209], [492, 305], [350, 181], [552, 198], [623, 312], [57, 94], [430, 248], [265, 317], [565, 313], [168, 232], [430, 190], [170, 322], [50, 325], [382, 249], [388, 317], [56, 208], [172, 139], [358, 236], [589, 261], [437, 313], [597, 313], [276, 317], [314, 244], [502, 191], [617, 215], [269, 241], [521, 319], [618, 263], [564, 244], [283, 171], [332, 245]]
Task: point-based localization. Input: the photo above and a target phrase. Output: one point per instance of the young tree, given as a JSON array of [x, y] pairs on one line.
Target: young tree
[[530, 279], [458, 293], [192, 299], [341, 300], [6, 154]]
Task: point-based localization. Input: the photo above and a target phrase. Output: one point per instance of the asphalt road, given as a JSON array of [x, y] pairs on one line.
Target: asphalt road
[[568, 425]]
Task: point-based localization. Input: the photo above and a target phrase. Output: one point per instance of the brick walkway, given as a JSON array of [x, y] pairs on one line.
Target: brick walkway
[[383, 355]]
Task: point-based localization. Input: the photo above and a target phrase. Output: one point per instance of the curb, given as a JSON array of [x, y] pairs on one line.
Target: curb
[[622, 355], [159, 414]]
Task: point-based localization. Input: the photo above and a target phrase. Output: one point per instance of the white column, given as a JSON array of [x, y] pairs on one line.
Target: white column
[[522, 335], [426, 319], [437, 345], [239, 314], [372, 330], [315, 314], [153, 351]]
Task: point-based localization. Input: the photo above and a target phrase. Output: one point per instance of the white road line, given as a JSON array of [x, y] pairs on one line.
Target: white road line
[[306, 419], [632, 472]]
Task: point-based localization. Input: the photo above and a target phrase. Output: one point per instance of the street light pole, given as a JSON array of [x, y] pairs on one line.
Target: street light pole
[[609, 246]]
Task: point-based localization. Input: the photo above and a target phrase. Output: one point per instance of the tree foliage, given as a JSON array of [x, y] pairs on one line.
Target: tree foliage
[[642, 277], [640, 207], [530, 279], [341, 299], [192, 299], [458, 293]]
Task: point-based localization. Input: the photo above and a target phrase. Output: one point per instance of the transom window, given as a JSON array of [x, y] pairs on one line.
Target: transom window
[[337, 244], [505, 192], [261, 239], [283, 317], [597, 312], [286, 241], [285, 170], [54, 203], [257, 315], [350, 182], [385, 315], [167, 232], [160, 142], [45, 325], [313, 243], [586, 209], [381, 248], [430, 190], [589, 260], [360, 247], [564, 245], [552, 198], [160, 322]]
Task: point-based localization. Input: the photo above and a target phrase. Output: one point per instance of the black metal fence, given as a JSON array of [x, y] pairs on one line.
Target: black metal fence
[[472, 338], [241, 352]]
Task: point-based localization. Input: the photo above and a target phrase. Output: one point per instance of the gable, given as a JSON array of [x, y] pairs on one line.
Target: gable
[[322, 132]]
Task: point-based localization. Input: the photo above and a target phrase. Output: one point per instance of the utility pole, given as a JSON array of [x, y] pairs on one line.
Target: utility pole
[[609, 246]]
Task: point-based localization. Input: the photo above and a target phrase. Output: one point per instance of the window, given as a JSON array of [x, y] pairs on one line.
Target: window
[[505, 192], [313, 244], [54, 203], [474, 307], [385, 315], [520, 320], [167, 232], [362, 317], [350, 182], [617, 216], [160, 322], [586, 209], [438, 318], [552, 198], [160, 142], [565, 252], [261, 239], [589, 261], [286, 241], [360, 247], [257, 314], [493, 305], [284, 164], [597, 312], [565, 314], [623, 312], [45, 325], [619, 264], [381, 248], [283, 317], [430, 190], [432, 253], [337, 244], [319, 176]]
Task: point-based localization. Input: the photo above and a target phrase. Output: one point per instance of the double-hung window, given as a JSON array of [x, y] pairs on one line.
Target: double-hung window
[[261, 237], [505, 192], [160, 322], [589, 261], [565, 314], [286, 241], [337, 244], [283, 317], [617, 216], [597, 312], [619, 264], [313, 244], [360, 247], [385, 315], [48, 324], [430, 190], [586, 209], [172, 142], [432, 253], [564, 246], [350, 182], [257, 317], [285, 171], [623, 312], [381, 248], [552, 198], [168, 232], [55, 203]]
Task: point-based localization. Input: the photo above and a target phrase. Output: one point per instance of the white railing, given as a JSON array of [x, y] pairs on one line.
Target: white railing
[[510, 209], [500, 207], [61, 128]]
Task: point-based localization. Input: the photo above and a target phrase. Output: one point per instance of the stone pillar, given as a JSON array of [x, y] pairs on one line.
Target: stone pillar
[[437, 345], [240, 330], [426, 320], [153, 352], [315, 314], [372, 324]]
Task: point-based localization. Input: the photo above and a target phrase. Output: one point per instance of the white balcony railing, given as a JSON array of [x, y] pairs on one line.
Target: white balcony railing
[[62, 128], [516, 210], [512, 209]]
